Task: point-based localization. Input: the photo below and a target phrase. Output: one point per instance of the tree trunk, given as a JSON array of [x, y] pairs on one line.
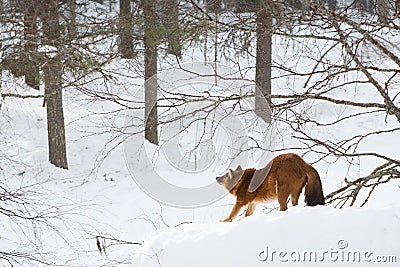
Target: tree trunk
[[53, 88], [171, 20], [332, 5], [72, 30], [383, 8], [397, 7], [55, 114], [242, 6], [214, 6], [125, 29], [295, 4], [150, 71], [365, 5], [1, 45], [30, 59], [263, 60]]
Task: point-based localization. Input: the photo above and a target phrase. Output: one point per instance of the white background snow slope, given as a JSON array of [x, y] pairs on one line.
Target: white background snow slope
[[301, 236]]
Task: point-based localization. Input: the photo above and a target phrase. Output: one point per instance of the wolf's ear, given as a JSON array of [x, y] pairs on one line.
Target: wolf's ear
[[230, 173], [239, 168]]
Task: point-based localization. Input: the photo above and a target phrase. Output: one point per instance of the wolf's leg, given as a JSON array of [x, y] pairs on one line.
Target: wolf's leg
[[251, 207], [283, 195], [235, 211], [295, 197]]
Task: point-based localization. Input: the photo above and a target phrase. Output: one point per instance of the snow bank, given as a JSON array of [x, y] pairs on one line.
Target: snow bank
[[301, 236]]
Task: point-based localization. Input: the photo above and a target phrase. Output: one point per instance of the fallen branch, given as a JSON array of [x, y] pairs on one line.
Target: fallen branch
[[382, 174], [20, 96]]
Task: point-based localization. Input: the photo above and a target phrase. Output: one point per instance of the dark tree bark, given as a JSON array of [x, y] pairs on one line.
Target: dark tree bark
[[125, 29], [170, 12], [72, 30], [53, 87], [150, 71], [332, 4], [295, 4], [51, 24], [1, 45], [383, 8], [366, 5], [397, 8], [263, 60], [30, 58], [246, 5], [55, 114], [214, 6]]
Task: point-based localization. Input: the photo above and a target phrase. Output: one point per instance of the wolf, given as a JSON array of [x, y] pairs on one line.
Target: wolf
[[284, 175]]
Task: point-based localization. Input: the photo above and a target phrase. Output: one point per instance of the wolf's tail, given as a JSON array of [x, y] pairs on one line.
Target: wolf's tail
[[313, 193]]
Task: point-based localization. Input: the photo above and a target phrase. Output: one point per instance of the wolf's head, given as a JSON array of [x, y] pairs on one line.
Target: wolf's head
[[230, 179]]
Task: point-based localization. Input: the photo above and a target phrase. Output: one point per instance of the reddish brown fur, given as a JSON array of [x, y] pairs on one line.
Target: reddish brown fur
[[288, 175]]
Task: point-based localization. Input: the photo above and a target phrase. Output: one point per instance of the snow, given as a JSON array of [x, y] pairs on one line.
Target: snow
[[306, 236], [48, 50], [98, 196]]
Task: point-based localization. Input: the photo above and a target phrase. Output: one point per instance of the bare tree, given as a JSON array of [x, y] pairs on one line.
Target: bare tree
[[295, 4], [383, 10], [349, 193], [150, 70], [214, 6], [348, 39], [353, 59], [72, 27], [365, 5], [264, 59], [21, 60], [332, 4], [125, 29], [170, 14], [31, 69], [53, 86]]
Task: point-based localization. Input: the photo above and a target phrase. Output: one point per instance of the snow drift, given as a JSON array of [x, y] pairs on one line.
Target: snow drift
[[301, 236]]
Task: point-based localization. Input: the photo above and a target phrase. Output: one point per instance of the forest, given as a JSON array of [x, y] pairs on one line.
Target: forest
[[117, 115]]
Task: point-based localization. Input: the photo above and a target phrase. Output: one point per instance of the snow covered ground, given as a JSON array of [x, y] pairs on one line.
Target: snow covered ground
[[301, 236], [90, 200], [97, 199]]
